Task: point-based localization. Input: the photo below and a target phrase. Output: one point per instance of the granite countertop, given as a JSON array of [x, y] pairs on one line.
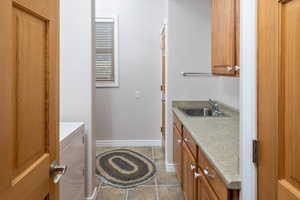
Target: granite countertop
[[217, 137]]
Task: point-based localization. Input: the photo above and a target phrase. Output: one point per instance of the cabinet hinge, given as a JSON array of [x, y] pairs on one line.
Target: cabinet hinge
[[255, 151]]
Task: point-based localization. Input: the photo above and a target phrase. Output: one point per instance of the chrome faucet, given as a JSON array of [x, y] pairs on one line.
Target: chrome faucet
[[215, 108]]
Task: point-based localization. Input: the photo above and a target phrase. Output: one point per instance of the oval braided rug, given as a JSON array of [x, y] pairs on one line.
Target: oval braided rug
[[124, 168]]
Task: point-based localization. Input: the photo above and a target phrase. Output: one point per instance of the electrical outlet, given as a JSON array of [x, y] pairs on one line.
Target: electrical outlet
[[137, 94]]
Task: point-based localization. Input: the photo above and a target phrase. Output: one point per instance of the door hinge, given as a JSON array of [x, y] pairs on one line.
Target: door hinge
[[161, 129], [83, 139], [283, 1], [255, 151], [162, 88]]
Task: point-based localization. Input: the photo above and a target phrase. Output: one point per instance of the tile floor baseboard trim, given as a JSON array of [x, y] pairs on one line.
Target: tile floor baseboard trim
[[170, 167], [132, 143], [94, 195]]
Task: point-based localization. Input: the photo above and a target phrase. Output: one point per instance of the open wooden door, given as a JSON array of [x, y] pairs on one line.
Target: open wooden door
[[29, 98], [279, 99], [163, 86]]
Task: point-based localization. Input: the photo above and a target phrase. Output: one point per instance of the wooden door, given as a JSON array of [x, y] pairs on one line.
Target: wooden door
[[188, 170], [225, 36], [177, 152], [29, 98], [163, 86], [278, 99]]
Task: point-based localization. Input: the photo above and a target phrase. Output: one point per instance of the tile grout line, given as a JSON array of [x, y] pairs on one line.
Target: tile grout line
[[152, 153], [157, 195], [156, 180], [126, 194]]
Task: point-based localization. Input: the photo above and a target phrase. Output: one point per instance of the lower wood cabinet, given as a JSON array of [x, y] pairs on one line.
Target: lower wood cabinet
[[177, 152], [198, 178], [213, 179], [189, 166], [204, 191]]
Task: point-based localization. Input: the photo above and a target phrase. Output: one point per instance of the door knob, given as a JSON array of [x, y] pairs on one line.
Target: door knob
[[57, 171]]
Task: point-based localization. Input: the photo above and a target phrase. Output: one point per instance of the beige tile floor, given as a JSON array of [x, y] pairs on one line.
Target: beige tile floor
[[164, 186]]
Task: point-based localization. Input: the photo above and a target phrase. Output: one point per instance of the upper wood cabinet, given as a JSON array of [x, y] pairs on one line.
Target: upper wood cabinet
[[225, 37]]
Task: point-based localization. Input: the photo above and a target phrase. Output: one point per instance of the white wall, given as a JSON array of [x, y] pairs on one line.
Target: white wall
[[76, 85], [229, 91], [189, 50], [119, 115]]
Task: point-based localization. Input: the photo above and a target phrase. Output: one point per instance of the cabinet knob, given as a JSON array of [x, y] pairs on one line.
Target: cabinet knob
[[179, 141], [186, 140], [193, 167], [233, 68], [196, 175], [206, 172]]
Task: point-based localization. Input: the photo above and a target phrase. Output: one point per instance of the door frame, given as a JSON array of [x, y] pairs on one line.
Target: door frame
[[248, 95], [163, 56]]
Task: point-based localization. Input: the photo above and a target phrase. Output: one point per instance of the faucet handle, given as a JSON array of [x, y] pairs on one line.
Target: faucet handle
[[211, 101]]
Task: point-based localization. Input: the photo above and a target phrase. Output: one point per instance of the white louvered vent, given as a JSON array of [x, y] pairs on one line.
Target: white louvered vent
[[104, 51]]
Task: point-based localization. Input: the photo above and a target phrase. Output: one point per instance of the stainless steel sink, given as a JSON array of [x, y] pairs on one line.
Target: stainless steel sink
[[201, 112]]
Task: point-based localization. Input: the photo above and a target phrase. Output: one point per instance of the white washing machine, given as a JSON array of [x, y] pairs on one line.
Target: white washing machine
[[72, 152]]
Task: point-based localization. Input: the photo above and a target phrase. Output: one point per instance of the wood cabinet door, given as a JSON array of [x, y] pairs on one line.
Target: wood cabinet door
[[177, 152], [29, 98], [225, 36], [205, 192], [278, 99], [188, 170]]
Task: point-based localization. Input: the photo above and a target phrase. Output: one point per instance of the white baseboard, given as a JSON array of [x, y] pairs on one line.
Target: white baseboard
[[170, 167], [94, 195], [124, 143]]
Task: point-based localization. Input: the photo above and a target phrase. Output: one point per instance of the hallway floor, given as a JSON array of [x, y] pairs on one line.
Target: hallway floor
[[164, 186]]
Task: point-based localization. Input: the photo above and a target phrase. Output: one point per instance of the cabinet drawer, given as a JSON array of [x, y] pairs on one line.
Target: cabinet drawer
[[177, 123], [212, 177], [188, 139]]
